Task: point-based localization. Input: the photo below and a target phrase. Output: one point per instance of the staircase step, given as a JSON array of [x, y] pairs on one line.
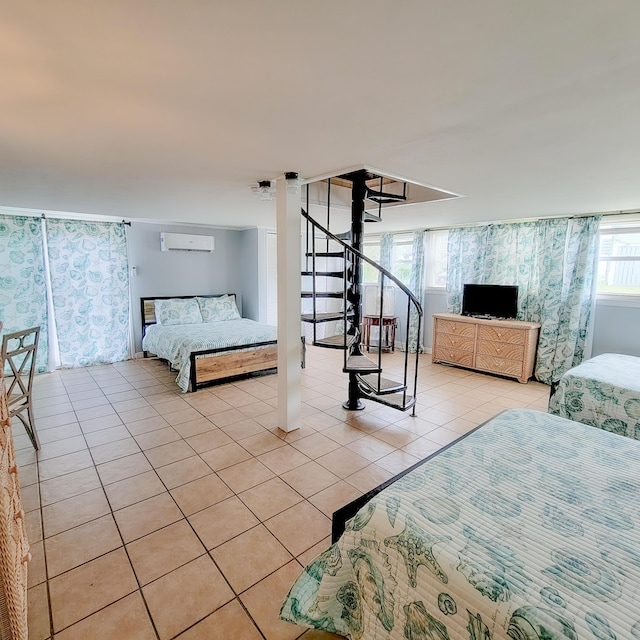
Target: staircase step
[[329, 274], [334, 342], [326, 254], [361, 364], [371, 217], [324, 316], [394, 400], [380, 385], [322, 294], [385, 198]]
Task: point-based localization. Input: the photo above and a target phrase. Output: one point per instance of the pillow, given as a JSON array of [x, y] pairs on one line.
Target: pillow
[[219, 309], [178, 311]]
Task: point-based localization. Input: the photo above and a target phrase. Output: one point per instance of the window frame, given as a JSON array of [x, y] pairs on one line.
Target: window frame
[[431, 255], [610, 298]]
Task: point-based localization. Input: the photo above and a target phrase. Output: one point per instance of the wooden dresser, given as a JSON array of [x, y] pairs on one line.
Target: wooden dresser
[[505, 347]]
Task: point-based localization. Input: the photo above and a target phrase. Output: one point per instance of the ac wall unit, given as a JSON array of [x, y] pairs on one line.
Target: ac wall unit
[[186, 242]]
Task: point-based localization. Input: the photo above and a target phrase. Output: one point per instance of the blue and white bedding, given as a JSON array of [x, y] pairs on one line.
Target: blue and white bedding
[[528, 529], [175, 343], [603, 392]]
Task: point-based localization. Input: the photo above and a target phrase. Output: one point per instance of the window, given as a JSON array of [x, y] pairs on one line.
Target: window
[[371, 249], [402, 257], [436, 267], [619, 261]]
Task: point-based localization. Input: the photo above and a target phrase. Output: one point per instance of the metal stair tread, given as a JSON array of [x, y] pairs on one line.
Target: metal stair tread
[[361, 364], [325, 316], [379, 385], [322, 294], [325, 254], [394, 400], [334, 342], [330, 274]]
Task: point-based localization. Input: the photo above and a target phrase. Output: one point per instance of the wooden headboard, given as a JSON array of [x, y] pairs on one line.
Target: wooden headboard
[[148, 309]]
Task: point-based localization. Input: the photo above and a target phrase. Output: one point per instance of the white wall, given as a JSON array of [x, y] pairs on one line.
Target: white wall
[[616, 328], [228, 269]]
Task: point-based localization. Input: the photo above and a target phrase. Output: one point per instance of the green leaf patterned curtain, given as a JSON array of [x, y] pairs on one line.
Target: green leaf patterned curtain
[[417, 288], [90, 289], [386, 251], [23, 297], [552, 262]]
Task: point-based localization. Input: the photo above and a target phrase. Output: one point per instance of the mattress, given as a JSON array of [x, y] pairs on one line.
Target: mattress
[[175, 343], [528, 528], [603, 392]]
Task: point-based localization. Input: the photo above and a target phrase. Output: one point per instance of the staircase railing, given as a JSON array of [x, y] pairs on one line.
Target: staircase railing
[[413, 306]]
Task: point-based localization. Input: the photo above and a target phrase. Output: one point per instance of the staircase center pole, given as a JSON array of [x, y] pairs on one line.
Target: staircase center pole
[[358, 192]]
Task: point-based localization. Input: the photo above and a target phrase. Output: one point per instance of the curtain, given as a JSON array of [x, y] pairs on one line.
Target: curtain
[[23, 299], [566, 316], [553, 264], [90, 290], [386, 251], [417, 288]]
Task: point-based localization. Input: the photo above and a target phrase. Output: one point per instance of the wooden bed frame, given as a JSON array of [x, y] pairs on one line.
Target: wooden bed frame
[[230, 363]]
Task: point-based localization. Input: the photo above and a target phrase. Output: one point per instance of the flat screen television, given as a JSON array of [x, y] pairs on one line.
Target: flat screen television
[[490, 300]]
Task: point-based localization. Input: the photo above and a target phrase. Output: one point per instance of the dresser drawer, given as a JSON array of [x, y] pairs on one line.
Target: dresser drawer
[[466, 329], [502, 334], [452, 341], [501, 350], [454, 356], [499, 365]]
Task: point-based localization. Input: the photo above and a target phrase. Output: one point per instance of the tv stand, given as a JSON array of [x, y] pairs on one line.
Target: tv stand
[[505, 347]]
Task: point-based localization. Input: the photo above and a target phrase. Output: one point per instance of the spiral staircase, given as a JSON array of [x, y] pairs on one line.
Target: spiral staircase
[[331, 277]]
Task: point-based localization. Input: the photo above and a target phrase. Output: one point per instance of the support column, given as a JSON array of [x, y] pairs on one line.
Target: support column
[[289, 371], [358, 190]]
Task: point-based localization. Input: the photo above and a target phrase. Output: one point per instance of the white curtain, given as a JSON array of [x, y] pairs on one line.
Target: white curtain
[[553, 263], [90, 291], [23, 299]]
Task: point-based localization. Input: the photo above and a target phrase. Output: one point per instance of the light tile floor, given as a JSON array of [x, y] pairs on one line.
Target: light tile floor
[[156, 514]]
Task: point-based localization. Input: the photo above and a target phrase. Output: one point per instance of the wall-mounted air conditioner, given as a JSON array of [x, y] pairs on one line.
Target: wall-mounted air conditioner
[[186, 242]]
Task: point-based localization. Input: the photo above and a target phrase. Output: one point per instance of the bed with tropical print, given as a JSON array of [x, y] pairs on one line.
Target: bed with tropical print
[[205, 339], [528, 528], [603, 392]]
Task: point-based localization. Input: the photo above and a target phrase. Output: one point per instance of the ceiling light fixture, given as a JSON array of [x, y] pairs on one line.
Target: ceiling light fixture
[[292, 182], [264, 190]]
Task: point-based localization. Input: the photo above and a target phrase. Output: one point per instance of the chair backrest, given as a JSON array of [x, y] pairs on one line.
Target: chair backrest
[[19, 351]]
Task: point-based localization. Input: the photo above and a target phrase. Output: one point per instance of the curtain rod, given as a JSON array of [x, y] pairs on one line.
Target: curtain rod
[[44, 217], [571, 216]]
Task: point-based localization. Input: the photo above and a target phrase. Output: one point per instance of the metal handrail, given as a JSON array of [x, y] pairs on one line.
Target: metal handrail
[[411, 299]]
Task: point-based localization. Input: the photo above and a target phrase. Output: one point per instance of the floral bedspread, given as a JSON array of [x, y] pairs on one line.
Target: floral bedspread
[[528, 528], [175, 343], [603, 392]]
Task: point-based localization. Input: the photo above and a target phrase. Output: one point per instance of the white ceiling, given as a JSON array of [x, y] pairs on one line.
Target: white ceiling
[[167, 110]]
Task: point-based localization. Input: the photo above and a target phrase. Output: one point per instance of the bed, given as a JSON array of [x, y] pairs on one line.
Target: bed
[[527, 528], [603, 392], [205, 340]]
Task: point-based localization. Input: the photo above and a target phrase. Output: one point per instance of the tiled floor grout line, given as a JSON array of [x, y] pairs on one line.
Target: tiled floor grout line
[[118, 380], [207, 552], [124, 547]]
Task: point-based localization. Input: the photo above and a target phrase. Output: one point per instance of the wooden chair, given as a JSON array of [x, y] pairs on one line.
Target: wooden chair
[[19, 351]]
